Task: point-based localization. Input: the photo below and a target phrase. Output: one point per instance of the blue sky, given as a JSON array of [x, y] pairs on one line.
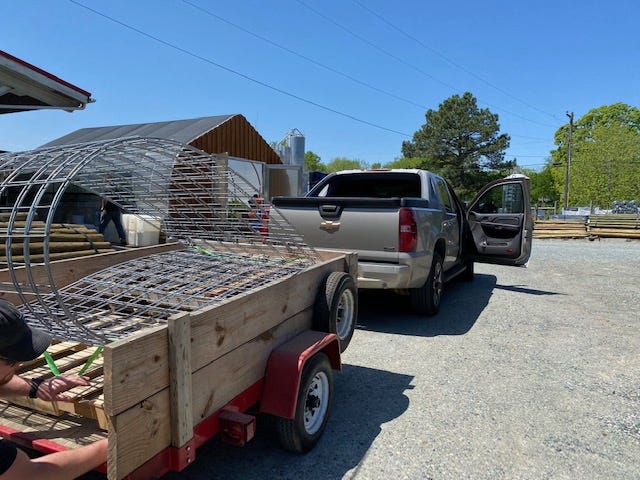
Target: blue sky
[[355, 76]]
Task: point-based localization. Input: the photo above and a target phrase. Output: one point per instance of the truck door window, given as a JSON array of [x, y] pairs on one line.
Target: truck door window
[[445, 197], [501, 199]]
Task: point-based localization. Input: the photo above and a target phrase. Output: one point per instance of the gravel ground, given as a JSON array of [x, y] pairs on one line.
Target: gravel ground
[[524, 374]]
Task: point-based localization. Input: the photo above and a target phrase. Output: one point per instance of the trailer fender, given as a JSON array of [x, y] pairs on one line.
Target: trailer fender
[[284, 370]]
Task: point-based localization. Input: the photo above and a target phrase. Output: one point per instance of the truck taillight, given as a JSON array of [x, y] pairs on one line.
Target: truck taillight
[[408, 230]]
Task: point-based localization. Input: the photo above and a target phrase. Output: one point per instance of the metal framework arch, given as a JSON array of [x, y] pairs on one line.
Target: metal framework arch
[[192, 196]]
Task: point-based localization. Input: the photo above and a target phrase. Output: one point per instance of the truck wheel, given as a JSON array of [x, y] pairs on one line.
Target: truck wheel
[[302, 432], [336, 307], [426, 299]]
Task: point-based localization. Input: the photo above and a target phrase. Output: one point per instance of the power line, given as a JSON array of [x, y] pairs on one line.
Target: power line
[[531, 138], [322, 65], [410, 65], [206, 60], [448, 60], [230, 70], [525, 156], [304, 57]]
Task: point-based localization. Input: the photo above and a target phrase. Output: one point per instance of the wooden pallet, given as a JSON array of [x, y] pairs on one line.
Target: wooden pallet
[[27, 427], [69, 358]]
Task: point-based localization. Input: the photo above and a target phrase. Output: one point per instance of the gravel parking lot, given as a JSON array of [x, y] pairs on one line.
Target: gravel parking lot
[[525, 374]]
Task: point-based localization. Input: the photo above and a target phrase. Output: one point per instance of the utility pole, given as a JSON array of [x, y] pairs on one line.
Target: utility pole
[[568, 163]]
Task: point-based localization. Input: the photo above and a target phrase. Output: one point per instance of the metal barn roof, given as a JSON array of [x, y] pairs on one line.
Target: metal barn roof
[[183, 131], [25, 87], [230, 134]]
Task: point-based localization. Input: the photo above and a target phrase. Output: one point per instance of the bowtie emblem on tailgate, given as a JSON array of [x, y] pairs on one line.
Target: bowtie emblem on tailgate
[[329, 226]]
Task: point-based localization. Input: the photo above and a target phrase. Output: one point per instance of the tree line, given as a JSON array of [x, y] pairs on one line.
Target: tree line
[[463, 143]]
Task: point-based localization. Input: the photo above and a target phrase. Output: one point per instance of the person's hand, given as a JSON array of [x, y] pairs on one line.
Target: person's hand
[[53, 388]]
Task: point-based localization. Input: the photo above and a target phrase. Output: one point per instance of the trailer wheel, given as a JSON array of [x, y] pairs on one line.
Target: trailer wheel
[[426, 299], [336, 307], [302, 432]]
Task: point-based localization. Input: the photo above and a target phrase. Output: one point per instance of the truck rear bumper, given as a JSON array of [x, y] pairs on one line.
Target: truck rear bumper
[[382, 275]]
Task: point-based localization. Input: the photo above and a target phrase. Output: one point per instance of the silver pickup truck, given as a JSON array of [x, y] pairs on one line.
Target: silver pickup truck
[[410, 231]]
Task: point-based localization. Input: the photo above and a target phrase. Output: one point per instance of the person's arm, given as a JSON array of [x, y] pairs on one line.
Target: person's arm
[[64, 465], [50, 390]]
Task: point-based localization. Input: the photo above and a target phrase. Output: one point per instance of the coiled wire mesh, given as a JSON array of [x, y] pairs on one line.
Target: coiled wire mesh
[[198, 201]]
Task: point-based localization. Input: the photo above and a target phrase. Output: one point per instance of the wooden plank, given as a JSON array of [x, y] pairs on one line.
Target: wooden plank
[[144, 430], [138, 434], [38, 247], [66, 430], [615, 233], [180, 379], [135, 368], [55, 236], [217, 383]]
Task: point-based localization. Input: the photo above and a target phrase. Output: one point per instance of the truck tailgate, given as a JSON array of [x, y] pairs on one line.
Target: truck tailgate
[[360, 225]]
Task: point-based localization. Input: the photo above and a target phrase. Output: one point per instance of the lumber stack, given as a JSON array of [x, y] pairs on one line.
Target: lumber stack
[[617, 225], [64, 241], [560, 229]]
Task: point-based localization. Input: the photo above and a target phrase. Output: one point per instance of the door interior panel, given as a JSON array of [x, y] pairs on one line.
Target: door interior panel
[[500, 226], [495, 235]]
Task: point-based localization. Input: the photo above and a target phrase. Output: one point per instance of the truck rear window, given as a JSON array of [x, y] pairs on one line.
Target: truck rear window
[[372, 185]]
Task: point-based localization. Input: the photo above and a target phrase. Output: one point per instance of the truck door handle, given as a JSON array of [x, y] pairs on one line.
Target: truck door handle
[[330, 211]]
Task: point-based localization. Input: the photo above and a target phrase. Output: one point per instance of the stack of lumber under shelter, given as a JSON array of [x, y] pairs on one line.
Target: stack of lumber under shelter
[[65, 241], [560, 229], [618, 225]]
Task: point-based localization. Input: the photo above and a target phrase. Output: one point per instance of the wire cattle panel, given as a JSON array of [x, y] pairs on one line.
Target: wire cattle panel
[[230, 245]]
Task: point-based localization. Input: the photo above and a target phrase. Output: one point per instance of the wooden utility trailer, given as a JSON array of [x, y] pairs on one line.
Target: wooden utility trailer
[[160, 393]]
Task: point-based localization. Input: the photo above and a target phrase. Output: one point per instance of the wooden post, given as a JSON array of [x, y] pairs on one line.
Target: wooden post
[[180, 387]]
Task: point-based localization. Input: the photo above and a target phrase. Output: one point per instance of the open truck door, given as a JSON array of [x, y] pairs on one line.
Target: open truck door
[[500, 222]]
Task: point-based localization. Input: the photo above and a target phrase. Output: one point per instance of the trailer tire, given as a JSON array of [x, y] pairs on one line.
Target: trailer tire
[[426, 299], [301, 433], [336, 307]]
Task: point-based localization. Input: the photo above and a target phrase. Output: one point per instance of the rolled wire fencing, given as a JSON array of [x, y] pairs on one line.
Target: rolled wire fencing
[[227, 246]]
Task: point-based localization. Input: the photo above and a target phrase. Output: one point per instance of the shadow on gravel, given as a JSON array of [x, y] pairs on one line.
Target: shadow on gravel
[[462, 303], [364, 399], [529, 291]]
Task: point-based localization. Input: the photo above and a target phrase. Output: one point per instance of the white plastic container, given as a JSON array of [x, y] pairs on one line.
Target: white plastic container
[[142, 230]]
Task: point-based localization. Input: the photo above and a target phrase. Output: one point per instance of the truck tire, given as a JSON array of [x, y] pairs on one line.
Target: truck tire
[[301, 433], [336, 307], [426, 299]]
